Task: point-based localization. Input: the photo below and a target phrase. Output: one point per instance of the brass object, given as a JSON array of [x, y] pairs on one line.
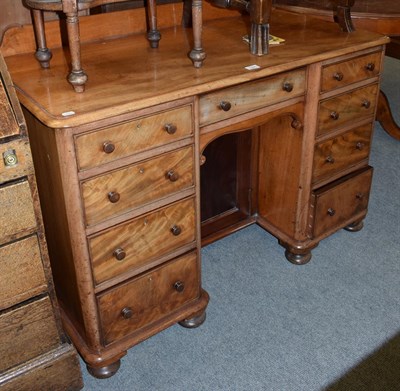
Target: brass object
[[10, 158]]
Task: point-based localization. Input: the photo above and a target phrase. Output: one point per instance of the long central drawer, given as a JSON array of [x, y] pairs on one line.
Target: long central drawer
[[229, 102]]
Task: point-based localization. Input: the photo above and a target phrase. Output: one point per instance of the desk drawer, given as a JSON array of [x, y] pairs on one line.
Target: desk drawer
[[229, 102], [15, 160], [350, 71], [17, 217], [138, 242], [27, 332], [345, 108], [21, 272], [336, 203], [147, 299], [343, 151], [133, 186], [106, 145]]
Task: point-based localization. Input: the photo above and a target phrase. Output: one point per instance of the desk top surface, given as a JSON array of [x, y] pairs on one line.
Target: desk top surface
[[125, 74]]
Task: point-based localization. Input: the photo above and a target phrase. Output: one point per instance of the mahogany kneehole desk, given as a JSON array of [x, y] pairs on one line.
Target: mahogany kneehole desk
[[156, 157]]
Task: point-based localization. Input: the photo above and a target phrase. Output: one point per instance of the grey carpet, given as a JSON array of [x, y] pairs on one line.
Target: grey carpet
[[333, 324]]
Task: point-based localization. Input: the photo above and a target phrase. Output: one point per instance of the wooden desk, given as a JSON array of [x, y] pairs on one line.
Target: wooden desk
[[120, 167]]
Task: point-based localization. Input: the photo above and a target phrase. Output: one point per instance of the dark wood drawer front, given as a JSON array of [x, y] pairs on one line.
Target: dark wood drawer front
[[229, 102], [336, 203], [122, 190], [27, 332], [21, 272], [345, 108], [341, 152], [138, 242], [149, 298], [17, 217], [106, 145], [350, 71]]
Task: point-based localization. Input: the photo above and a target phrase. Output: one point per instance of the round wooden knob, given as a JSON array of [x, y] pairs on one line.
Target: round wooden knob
[[127, 312], [334, 115], [370, 66], [176, 230], [360, 146], [331, 212], [225, 105], [170, 128], [296, 124], [366, 103], [172, 175], [330, 159], [113, 196], [108, 147], [359, 196], [288, 87], [179, 286], [119, 254], [338, 76]]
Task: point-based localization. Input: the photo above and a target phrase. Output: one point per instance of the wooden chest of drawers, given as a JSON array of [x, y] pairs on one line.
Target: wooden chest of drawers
[[132, 224], [34, 351]]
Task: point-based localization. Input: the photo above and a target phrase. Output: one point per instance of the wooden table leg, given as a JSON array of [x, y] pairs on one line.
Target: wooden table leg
[[77, 77], [197, 54], [153, 35], [43, 54], [385, 118]]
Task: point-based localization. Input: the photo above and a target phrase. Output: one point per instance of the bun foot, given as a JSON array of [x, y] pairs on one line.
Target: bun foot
[[104, 372], [194, 322], [355, 227], [298, 259]]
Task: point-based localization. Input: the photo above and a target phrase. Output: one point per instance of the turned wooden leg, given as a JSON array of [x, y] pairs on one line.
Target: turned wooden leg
[[43, 54], [385, 118], [104, 372], [195, 321], [77, 77], [355, 226], [197, 54], [153, 35]]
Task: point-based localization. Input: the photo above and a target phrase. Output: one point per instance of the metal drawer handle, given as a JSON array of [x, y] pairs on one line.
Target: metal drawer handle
[[225, 105], [170, 128], [113, 196], [172, 175], [179, 286], [108, 147], [331, 212], [338, 76], [288, 87], [127, 312], [119, 254]]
